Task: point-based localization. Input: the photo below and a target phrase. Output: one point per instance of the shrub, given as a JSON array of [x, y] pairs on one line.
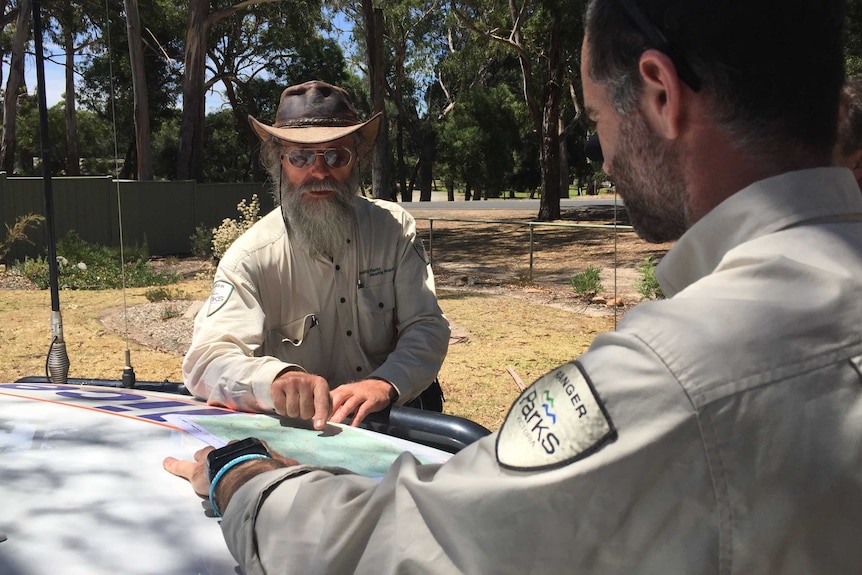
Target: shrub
[[230, 230], [648, 285], [86, 266], [164, 294], [170, 312], [18, 231], [588, 282], [202, 241]]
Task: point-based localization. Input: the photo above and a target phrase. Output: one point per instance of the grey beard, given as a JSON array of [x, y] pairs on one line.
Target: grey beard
[[321, 226]]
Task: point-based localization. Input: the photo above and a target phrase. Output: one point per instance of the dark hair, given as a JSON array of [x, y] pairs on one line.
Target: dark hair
[[850, 126], [772, 68]]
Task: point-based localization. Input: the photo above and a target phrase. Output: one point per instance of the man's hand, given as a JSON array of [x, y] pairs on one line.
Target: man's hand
[[195, 472], [360, 398], [302, 395]]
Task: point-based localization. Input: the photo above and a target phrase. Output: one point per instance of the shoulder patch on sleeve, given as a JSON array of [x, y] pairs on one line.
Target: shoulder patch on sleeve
[[419, 248], [221, 291], [559, 419]]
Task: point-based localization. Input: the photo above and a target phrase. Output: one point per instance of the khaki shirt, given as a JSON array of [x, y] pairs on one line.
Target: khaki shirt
[[715, 432], [372, 312]]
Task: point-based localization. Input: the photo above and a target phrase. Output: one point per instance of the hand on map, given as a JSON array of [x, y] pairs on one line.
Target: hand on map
[[303, 395], [195, 472], [360, 398]]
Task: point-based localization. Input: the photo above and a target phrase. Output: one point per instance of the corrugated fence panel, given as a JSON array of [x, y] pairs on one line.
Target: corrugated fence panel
[[215, 202], [84, 205], [163, 213], [19, 196], [159, 213]]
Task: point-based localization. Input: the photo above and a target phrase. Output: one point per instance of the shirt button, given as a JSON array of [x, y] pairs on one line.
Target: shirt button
[[349, 333], [359, 368], [337, 267], [380, 304], [343, 300]]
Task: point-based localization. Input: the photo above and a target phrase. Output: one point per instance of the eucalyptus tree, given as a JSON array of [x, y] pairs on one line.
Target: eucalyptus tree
[[139, 90], [108, 80], [479, 139], [256, 54], [545, 35], [94, 133], [203, 15], [411, 30], [70, 26], [14, 86], [397, 45]]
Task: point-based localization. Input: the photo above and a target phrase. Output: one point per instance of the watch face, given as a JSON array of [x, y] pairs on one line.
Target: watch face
[[218, 458]]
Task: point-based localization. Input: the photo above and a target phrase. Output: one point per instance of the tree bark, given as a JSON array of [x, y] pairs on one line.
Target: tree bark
[[139, 86], [191, 139], [549, 203], [13, 88], [73, 156], [373, 18]]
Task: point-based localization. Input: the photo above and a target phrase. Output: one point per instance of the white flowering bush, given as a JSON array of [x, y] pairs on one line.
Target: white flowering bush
[[230, 229]]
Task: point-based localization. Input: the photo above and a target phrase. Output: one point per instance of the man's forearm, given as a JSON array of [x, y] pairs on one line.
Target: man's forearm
[[239, 476]]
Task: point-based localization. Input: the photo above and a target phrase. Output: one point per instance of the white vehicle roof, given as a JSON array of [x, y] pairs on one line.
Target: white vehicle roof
[[82, 489]]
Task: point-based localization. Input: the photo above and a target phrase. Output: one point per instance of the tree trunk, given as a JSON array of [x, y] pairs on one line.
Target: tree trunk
[[139, 86], [258, 173], [450, 190], [549, 149], [13, 88], [191, 140], [73, 156], [129, 163], [564, 160], [426, 166], [376, 73], [406, 193]]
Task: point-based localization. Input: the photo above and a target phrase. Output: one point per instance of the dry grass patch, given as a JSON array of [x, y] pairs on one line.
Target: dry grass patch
[[94, 352], [503, 332]]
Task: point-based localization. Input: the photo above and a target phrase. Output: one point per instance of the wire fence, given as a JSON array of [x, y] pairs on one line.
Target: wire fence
[[486, 241]]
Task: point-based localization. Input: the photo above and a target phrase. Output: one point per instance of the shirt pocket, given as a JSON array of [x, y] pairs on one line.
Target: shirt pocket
[[294, 342], [377, 319]]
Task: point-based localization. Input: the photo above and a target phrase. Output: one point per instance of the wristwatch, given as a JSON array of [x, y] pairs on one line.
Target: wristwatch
[[217, 459]]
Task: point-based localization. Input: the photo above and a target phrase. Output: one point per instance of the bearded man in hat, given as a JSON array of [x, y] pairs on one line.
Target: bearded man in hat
[[326, 307]]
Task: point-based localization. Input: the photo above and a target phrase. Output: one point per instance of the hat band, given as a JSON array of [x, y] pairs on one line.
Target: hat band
[[310, 122]]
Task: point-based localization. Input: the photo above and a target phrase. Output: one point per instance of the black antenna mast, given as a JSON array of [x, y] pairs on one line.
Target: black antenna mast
[[57, 365]]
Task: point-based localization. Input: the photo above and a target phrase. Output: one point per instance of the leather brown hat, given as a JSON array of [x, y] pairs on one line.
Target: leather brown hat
[[315, 113]]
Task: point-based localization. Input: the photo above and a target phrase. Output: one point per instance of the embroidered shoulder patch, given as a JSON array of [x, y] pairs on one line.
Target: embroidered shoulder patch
[[419, 248], [559, 419], [218, 297]]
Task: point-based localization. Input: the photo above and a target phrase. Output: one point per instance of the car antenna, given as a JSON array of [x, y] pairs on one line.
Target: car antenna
[[57, 363], [128, 378]]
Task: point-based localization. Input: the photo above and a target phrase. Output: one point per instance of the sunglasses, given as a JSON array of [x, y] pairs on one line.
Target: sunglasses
[[305, 157], [659, 41]]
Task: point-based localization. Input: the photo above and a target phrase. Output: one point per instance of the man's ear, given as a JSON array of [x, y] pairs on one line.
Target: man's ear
[[662, 93]]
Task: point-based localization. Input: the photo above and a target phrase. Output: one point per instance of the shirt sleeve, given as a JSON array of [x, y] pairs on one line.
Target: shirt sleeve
[[423, 331], [644, 500], [224, 364]]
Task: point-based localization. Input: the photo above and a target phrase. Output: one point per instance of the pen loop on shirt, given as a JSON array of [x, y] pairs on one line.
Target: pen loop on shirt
[[297, 342], [230, 465]]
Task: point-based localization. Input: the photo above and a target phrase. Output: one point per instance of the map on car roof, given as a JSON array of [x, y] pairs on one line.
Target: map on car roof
[[358, 450]]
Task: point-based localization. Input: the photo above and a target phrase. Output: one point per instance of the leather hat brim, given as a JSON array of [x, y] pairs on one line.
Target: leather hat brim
[[367, 132]]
